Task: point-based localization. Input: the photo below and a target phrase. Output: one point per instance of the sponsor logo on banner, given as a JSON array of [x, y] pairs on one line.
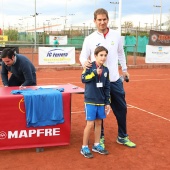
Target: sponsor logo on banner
[[154, 37], [22, 106], [160, 49], [56, 55], [159, 38], [17, 134], [3, 38], [2, 135]]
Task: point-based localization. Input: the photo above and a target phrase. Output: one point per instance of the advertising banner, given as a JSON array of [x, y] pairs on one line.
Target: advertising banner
[[61, 39], [14, 134], [56, 55], [159, 38], [3, 38], [157, 54]]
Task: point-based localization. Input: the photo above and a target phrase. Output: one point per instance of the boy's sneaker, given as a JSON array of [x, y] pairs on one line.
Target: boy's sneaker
[[86, 152], [100, 150], [102, 140], [126, 141]]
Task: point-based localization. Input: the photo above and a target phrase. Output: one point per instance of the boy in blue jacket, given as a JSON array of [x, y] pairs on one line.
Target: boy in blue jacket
[[97, 100]]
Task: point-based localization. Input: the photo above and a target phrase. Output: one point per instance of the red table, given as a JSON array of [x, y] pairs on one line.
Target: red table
[[13, 131]]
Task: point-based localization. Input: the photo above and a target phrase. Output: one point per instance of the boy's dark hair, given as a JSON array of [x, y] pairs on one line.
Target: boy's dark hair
[[99, 49], [8, 52], [100, 11]]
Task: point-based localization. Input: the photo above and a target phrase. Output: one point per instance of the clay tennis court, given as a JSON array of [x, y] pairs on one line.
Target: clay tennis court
[[148, 122]]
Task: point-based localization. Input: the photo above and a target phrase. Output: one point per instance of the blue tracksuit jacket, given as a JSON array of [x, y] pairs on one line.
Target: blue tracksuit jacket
[[94, 94]]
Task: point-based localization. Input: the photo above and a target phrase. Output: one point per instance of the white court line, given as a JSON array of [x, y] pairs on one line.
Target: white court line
[[148, 75], [131, 106], [151, 79], [149, 113], [84, 111]]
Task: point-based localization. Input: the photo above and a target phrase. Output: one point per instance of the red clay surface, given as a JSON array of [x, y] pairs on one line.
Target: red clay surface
[[148, 122]]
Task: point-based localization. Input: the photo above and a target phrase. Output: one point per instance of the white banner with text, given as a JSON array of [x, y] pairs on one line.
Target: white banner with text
[[56, 55], [62, 40], [157, 54]]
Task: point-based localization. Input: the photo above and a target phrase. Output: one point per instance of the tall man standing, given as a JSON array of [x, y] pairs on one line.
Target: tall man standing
[[111, 40]]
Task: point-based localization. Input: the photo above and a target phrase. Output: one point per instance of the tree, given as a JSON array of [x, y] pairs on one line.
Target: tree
[[128, 25], [12, 34]]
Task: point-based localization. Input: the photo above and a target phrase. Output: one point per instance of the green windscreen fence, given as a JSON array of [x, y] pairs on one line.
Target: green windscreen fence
[[141, 42], [77, 42], [130, 42]]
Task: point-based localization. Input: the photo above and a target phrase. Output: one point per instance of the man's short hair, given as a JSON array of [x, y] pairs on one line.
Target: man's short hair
[[8, 52], [100, 11]]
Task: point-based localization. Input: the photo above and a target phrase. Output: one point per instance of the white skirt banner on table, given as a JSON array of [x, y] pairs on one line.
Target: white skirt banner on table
[[56, 55], [157, 54]]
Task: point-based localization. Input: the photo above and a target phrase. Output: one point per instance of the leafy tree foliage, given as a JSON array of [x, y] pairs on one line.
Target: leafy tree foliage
[[12, 34]]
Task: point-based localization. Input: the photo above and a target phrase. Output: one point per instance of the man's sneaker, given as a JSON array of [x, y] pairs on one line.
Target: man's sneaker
[[100, 150], [102, 140], [86, 152], [126, 141]]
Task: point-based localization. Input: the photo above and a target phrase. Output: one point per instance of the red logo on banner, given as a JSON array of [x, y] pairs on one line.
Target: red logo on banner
[[22, 106], [3, 135], [154, 37]]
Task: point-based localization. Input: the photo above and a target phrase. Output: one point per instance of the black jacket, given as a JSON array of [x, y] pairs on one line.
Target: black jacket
[[22, 69]]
